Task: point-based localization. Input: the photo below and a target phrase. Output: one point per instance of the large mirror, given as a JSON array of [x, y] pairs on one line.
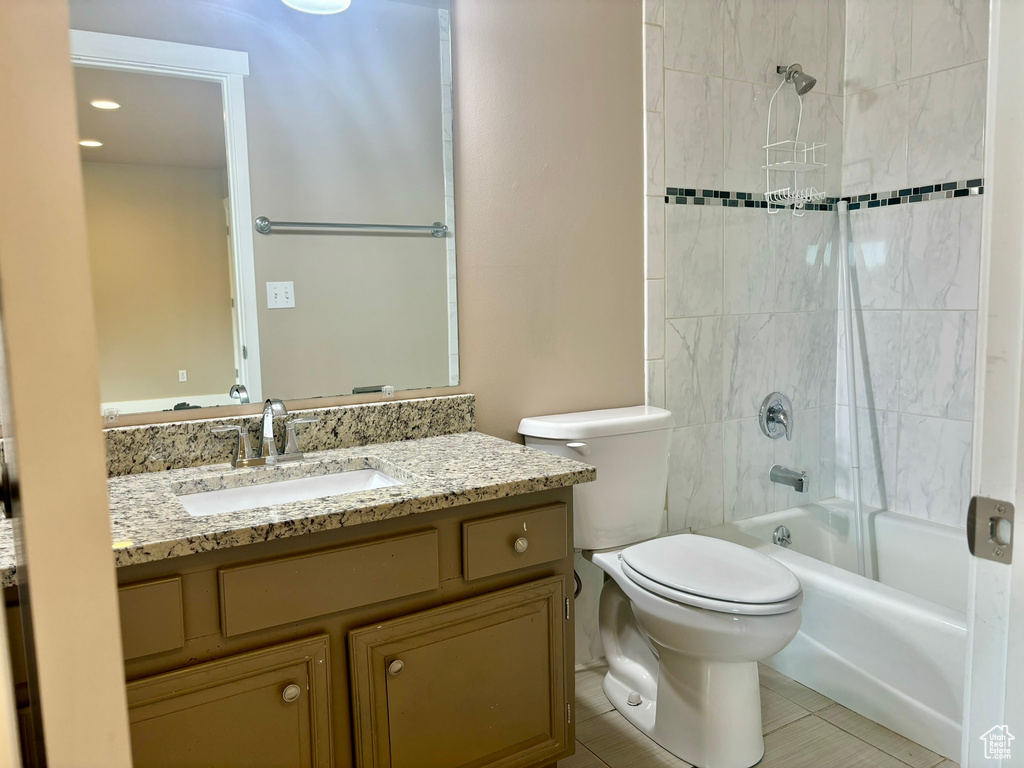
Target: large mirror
[[269, 198]]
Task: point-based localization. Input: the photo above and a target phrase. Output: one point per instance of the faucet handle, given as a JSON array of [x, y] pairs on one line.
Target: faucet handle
[[776, 416], [292, 452], [781, 416], [244, 456]]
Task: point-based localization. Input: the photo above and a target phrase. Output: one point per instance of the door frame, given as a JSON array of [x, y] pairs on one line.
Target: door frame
[[61, 527], [995, 620], [228, 69]]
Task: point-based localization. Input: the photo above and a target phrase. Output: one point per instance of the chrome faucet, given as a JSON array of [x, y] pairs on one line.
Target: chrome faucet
[[240, 393], [268, 445], [794, 478]]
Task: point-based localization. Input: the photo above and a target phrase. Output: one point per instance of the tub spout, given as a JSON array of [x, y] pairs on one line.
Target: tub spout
[[795, 479]]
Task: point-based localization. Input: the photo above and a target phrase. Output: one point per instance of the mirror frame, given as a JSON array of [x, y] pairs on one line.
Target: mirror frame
[[227, 68]]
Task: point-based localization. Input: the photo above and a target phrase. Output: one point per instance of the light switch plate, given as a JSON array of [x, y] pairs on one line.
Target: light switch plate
[[280, 295]]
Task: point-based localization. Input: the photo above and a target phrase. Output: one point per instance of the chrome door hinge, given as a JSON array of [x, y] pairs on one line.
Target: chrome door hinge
[[568, 713], [990, 529], [245, 352], [567, 609]]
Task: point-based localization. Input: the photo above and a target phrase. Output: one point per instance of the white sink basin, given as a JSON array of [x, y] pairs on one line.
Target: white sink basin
[[284, 491]]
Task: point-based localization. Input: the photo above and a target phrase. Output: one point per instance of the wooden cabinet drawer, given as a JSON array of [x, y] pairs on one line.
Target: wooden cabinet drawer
[[269, 707], [295, 588], [151, 617], [489, 544], [477, 683]]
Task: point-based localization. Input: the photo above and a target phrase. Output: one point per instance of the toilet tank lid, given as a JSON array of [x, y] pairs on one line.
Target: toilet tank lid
[[603, 423]]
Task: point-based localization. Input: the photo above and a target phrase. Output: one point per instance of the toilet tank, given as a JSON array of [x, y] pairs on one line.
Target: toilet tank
[[629, 447]]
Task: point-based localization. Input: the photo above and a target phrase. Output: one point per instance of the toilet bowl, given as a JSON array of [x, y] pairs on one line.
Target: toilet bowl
[[683, 619], [682, 666]]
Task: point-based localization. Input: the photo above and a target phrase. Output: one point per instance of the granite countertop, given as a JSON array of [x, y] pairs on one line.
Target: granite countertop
[[149, 523]]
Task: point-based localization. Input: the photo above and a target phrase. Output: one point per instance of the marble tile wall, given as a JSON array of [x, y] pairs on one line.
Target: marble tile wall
[[915, 92], [915, 337], [915, 114], [740, 302]]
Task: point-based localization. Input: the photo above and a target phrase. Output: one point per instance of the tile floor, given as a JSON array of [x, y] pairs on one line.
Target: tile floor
[[802, 729]]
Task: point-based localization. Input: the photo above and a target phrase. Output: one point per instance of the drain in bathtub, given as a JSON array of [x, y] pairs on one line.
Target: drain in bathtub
[[782, 536]]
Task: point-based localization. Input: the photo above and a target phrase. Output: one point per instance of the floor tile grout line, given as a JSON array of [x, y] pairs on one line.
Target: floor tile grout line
[[873, 746], [880, 749], [592, 752], [591, 717], [791, 722], [895, 757], [794, 701]]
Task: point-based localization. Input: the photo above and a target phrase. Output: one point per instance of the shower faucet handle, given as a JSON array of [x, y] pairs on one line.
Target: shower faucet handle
[[776, 416]]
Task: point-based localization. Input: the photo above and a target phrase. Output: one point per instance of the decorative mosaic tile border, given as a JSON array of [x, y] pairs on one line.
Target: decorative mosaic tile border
[[941, 191], [729, 199], [725, 198]]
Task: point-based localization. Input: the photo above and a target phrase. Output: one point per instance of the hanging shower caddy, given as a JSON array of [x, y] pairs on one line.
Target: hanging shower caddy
[[791, 160]]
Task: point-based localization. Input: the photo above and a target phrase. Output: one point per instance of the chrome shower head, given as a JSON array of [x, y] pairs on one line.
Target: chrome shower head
[[801, 80]]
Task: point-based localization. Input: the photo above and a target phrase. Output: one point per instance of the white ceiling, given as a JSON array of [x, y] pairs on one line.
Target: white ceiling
[[169, 121]]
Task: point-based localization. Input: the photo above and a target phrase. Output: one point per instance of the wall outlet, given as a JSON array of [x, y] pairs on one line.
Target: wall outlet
[[182, 375], [281, 295]]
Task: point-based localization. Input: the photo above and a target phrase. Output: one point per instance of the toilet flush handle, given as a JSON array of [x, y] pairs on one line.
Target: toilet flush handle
[[581, 448]]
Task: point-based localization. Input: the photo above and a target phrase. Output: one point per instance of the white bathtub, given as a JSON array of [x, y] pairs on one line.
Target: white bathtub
[[892, 650]]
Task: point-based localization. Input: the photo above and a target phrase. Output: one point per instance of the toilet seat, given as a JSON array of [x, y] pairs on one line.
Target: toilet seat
[[712, 574], [721, 606]]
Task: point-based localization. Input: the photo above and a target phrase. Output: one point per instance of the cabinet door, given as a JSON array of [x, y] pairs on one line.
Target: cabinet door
[[475, 683], [264, 708]]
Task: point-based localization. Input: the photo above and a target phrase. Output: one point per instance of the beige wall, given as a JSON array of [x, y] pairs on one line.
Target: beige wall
[[343, 115], [160, 278], [549, 191]]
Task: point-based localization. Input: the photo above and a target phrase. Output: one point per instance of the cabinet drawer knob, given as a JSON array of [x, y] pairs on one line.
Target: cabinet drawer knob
[[291, 693], [395, 667], [521, 544]]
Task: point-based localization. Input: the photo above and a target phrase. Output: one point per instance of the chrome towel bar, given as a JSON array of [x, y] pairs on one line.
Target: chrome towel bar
[[265, 226]]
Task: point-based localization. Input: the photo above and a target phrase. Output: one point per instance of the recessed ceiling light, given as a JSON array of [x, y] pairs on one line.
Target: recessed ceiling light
[[105, 104], [90, 143], [321, 7]]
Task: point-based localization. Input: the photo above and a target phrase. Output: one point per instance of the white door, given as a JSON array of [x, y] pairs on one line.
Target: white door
[[993, 733]]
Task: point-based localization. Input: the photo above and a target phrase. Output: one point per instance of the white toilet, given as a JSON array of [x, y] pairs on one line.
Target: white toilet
[[684, 619]]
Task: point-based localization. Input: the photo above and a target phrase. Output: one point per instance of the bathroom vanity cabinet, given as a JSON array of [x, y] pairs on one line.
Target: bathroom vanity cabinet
[[439, 639]]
